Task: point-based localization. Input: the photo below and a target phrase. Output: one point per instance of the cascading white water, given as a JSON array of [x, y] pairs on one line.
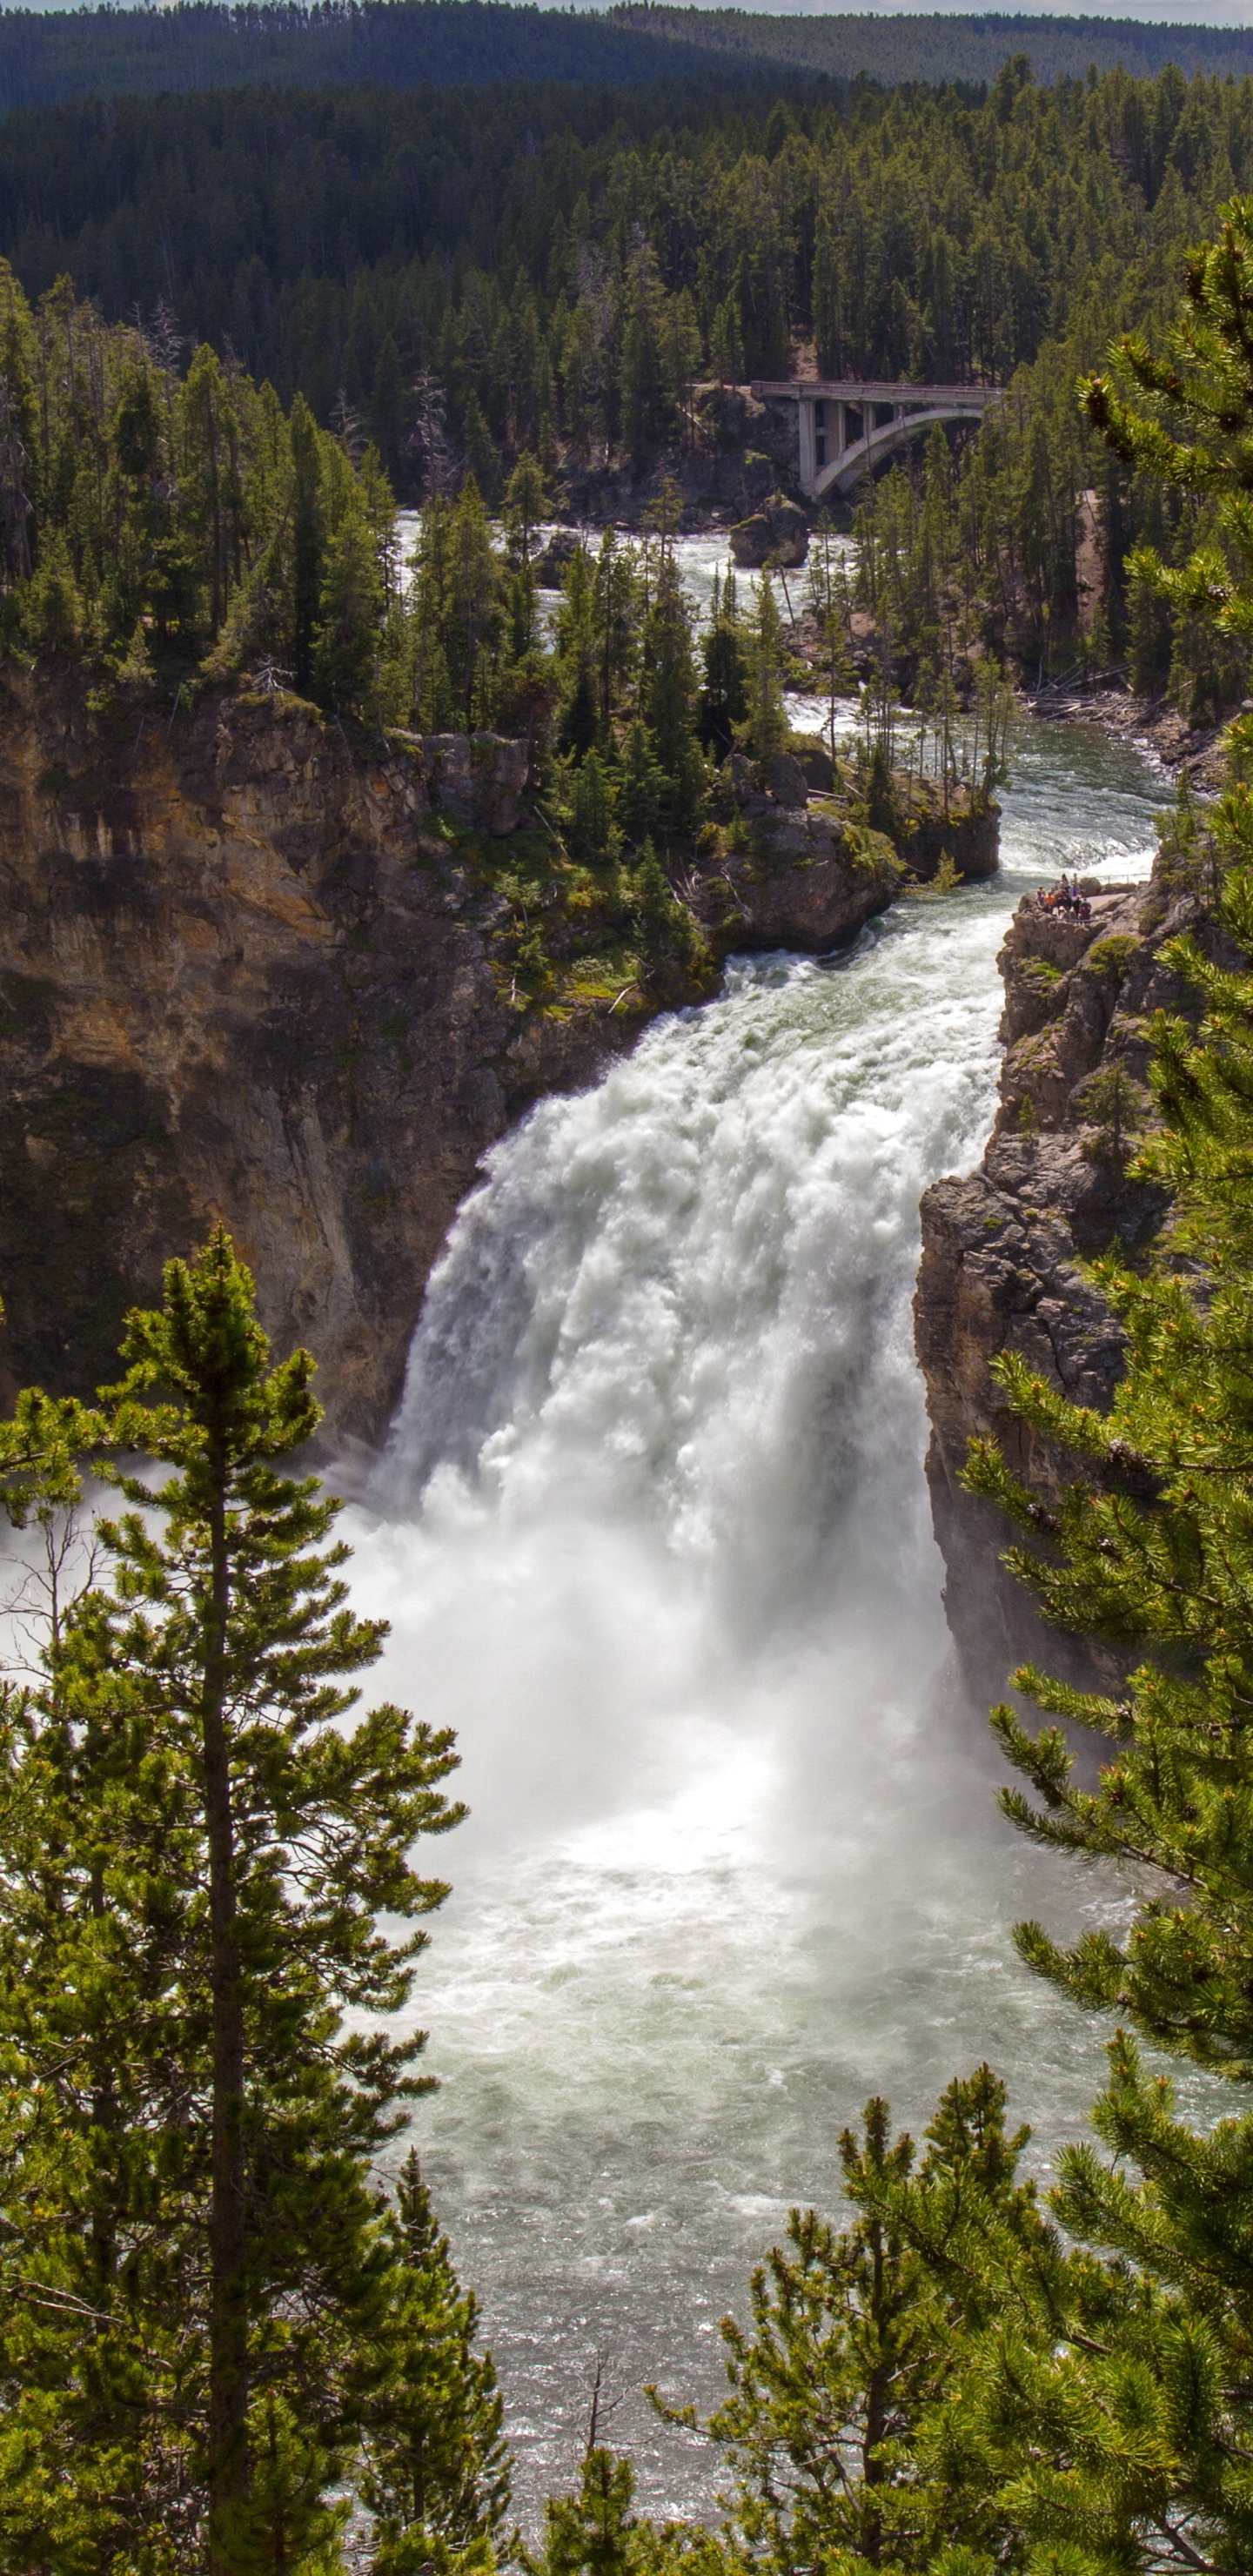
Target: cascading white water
[[652, 1532]]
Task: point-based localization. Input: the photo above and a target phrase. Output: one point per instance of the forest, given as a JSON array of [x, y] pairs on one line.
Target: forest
[[199, 45], [203, 44], [575, 277], [529, 248]]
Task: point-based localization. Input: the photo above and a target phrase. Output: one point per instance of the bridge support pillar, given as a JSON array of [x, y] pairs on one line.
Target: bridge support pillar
[[809, 448]]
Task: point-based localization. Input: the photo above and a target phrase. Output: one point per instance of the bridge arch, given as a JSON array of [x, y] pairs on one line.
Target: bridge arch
[[828, 458], [844, 472]]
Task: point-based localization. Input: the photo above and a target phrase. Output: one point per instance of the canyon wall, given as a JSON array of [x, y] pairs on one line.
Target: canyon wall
[[1003, 1249], [255, 968]]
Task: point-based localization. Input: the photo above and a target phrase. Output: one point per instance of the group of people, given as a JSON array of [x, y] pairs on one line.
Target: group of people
[[1066, 898]]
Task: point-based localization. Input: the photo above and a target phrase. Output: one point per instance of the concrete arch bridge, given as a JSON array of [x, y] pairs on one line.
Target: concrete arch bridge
[[846, 429]]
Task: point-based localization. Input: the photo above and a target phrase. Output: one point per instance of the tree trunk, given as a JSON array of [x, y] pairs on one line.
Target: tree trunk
[[228, 2315]]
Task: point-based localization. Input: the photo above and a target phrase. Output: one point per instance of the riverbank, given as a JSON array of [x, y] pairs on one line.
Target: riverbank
[[1185, 749]]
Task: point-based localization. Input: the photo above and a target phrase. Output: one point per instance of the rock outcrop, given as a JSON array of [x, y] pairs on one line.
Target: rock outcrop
[[969, 835], [248, 971], [1002, 1249], [806, 880], [776, 533], [253, 968]]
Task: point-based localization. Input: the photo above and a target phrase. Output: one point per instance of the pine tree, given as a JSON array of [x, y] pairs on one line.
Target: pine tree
[[669, 942], [668, 695], [349, 631], [526, 501], [434, 2474], [615, 601], [578, 724], [196, 1702], [592, 834], [594, 2533], [642, 787], [482, 455], [389, 406], [830, 606], [307, 542], [765, 728], [724, 696], [858, 2343], [472, 627]]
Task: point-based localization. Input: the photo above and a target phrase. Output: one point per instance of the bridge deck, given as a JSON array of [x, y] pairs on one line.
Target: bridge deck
[[860, 389]]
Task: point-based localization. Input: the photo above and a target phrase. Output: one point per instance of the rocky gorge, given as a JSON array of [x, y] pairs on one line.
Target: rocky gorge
[[1007, 1250], [258, 967]]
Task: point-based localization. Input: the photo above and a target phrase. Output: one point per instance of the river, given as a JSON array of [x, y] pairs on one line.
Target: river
[[652, 1531]]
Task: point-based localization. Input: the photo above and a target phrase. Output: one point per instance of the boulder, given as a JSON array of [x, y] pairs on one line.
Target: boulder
[[970, 835], [779, 528], [804, 882], [563, 545]]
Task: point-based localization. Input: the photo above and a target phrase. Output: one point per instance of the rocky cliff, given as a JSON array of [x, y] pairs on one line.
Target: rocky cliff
[[1002, 1249], [255, 969]]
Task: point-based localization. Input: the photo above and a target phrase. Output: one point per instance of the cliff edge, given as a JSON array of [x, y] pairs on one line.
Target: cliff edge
[[259, 968], [1003, 1249]]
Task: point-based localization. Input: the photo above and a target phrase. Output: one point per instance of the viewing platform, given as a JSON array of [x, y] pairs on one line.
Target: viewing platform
[[846, 428]]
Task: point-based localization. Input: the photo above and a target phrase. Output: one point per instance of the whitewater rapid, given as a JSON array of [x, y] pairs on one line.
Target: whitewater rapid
[[652, 1531]]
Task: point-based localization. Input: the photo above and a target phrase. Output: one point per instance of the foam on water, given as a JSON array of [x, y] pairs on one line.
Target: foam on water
[[652, 1531]]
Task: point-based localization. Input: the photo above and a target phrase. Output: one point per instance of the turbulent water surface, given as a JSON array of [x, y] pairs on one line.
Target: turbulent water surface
[[652, 1532]]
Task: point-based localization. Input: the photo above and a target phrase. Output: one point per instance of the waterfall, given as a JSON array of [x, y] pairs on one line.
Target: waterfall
[[652, 1532]]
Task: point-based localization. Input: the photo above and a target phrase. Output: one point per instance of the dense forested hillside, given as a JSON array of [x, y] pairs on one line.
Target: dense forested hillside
[[463, 277], [563, 263], [891, 49], [200, 44]]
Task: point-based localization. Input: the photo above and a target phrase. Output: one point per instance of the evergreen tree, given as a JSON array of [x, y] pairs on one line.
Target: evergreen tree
[[389, 407], [830, 607], [764, 731], [350, 623], [669, 942], [593, 833], [668, 695], [233, 1844], [614, 614], [578, 719], [434, 2473], [859, 2340], [307, 542], [594, 2533], [642, 788], [724, 697], [526, 501], [472, 627]]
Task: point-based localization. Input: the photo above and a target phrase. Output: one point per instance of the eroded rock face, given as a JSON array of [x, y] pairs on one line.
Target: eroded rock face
[[970, 836], [476, 779], [1001, 1249], [247, 973], [805, 882], [240, 977]]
